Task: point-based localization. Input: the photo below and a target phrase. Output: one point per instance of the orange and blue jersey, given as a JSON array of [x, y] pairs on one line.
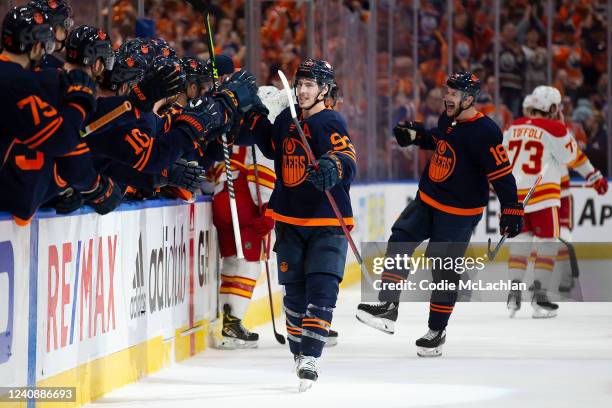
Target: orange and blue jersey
[[468, 155], [295, 200]]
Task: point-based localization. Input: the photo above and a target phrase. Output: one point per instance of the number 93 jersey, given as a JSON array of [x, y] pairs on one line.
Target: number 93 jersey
[[535, 146]]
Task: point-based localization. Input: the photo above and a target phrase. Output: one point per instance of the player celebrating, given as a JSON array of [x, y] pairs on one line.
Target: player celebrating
[[452, 195], [538, 145], [310, 246]]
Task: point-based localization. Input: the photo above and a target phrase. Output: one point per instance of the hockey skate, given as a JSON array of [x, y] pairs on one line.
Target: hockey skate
[[381, 316], [514, 300], [430, 345], [542, 307], [332, 338], [234, 335], [307, 371]]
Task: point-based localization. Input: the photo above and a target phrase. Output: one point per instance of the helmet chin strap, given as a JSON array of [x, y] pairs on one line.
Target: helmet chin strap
[[315, 102], [461, 108]]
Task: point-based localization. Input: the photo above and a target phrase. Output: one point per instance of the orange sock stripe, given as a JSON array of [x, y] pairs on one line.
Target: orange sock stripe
[[318, 326], [241, 279], [442, 306], [313, 320], [391, 275], [237, 292], [435, 309]]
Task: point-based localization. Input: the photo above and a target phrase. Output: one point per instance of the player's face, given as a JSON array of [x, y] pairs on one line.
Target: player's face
[[452, 101], [307, 91]]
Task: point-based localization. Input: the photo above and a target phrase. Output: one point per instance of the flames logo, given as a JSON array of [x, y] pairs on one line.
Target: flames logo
[[294, 162], [442, 162]]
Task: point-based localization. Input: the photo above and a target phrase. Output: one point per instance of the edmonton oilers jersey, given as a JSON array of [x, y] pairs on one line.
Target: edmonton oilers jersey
[[295, 200], [468, 155]]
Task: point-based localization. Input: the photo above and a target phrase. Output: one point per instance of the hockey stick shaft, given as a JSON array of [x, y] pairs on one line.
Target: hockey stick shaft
[[107, 118], [492, 254], [265, 242], [330, 198], [226, 148]]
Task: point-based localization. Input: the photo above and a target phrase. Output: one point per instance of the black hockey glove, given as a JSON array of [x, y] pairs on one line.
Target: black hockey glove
[[184, 174], [408, 133], [78, 88], [239, 91], [105, 197], [328, 174], [203, 118], [511, 220], [68, 201], [162, 78]]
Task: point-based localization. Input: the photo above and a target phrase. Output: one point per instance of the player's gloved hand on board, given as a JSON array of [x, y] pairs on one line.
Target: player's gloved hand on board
[[239, 91], [408, 133], [511, 220], [598, 182], [68, 201], [184, 174], [161, 79], [328, 174], [202, 118], [104, 197], [262, 224], [78, 88]]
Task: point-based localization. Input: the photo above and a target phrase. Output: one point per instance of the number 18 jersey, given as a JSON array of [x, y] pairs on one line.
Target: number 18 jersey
[[535, 145]]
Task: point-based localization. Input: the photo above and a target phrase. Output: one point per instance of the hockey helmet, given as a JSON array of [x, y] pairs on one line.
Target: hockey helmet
[[465, 82], [59, 12], [195, 70], [160, 47], [25, 26], [545, 98], [85, 44], [127, 69], [319, 70]]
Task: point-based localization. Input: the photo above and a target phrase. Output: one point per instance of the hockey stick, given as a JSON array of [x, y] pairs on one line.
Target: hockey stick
[[332, 202], [265, 243], [106, 119], [226, 148], [492, 253]]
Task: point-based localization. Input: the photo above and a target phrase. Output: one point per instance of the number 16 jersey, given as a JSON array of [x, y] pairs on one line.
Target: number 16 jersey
[[537, 145]]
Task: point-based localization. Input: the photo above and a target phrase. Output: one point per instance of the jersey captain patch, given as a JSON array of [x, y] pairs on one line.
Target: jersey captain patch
[[442, 163]]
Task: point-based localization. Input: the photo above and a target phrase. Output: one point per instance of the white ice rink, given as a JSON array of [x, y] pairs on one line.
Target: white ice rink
[[489, 361]]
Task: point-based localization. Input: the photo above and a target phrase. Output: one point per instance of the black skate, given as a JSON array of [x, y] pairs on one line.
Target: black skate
[[332, 338], [307, 371], [430, 345], [381, 316], [234, 335], [542, 307], [514, 300]]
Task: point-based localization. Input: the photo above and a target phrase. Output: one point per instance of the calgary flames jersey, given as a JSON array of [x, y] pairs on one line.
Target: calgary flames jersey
[[535, 145], [243, 166]]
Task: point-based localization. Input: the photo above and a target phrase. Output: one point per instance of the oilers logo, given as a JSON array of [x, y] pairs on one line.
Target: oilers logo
[[294, 162], [442, 162]]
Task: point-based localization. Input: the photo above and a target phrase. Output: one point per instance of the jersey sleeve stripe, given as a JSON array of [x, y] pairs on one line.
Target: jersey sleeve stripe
[[492, 178], [79, 108], [44, 134], [494, 173]]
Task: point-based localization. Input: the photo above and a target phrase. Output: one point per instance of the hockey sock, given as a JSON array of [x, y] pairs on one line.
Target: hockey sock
[[238, 280], [321, 294], [295, 306], [519, 257], [440, 312], [546, 252], [396, 275]]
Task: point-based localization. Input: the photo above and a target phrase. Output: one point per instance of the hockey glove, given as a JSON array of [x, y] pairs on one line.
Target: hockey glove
[[598, 182], [262, 224], [78, 88], [408, 133], [328, 174], [511, 220], [184, 174], [105, 197], [239, 91], [163, 78], [68, 201], [202, 118]]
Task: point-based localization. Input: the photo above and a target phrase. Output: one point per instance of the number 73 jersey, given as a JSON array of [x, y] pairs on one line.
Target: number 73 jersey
[[534, 145]]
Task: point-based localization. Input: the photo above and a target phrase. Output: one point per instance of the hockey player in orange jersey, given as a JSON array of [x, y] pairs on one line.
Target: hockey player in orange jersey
[[538, 144]]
